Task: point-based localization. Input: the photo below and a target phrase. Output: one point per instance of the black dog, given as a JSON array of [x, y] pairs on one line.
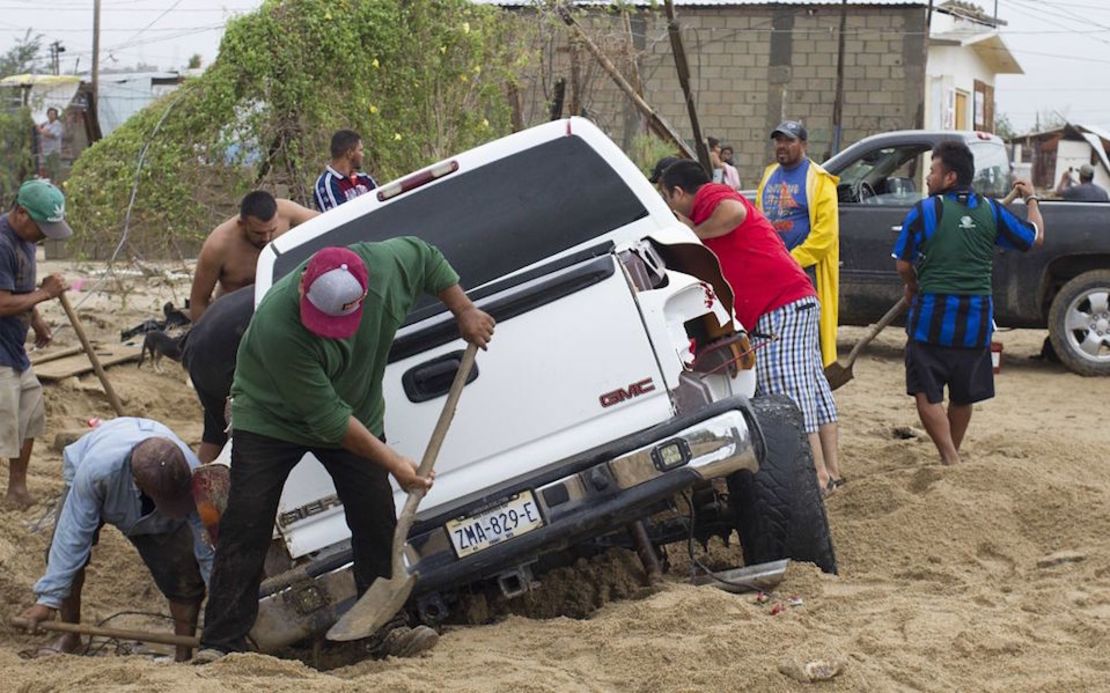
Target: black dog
[[174, 317], [160, 344]]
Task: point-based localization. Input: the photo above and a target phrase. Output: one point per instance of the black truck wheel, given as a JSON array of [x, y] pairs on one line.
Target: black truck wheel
[[1079, 323], [779, 512]]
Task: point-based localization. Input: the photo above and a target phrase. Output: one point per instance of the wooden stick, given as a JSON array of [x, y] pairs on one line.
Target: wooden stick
[[658, 124], [683, 69], [80, 330], [119, 634], [54, 356]]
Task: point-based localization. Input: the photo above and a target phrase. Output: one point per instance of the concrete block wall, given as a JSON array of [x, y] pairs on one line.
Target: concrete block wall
[[751, 67]]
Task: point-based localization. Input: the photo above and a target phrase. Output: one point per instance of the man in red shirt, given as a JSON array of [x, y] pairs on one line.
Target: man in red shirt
[[773, 295]]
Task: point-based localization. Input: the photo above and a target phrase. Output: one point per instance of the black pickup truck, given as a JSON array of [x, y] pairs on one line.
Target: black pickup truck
[[1064, 286]]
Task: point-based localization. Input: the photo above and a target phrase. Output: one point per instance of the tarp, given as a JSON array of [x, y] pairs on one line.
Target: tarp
[[1096, 143], [124, 95], [45, 91]]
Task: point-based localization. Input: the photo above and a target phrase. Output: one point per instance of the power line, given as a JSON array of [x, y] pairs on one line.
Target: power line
[[120, 31], [1082, 19], [1083, 89], [154, 21], [75, 8], [1047, 17], [1084, 6], [146, 42]]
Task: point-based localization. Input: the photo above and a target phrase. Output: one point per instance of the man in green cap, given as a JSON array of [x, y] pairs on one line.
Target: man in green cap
[[38, 213]]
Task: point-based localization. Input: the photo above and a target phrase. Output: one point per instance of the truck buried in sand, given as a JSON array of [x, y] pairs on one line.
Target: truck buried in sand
[[615, 408]]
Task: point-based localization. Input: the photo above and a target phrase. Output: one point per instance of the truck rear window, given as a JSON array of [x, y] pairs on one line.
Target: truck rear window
[[495, 219]]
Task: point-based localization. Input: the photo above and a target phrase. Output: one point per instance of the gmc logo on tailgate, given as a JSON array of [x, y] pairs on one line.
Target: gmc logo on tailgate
[[621, 394]]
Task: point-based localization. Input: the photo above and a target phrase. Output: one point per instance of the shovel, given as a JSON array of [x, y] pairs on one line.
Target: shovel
[[386, 597], [82, 629], [91, 353], [840, 372]]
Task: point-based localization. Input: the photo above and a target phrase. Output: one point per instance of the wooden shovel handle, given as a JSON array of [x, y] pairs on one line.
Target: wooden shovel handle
[[448, 413], [82, 629], [408, 514], [891, 314], [91, 353]]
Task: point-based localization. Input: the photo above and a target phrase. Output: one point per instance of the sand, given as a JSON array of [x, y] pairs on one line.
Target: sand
[[990, 576]]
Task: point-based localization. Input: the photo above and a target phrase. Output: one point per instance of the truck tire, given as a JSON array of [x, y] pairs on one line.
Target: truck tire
[[779, 512], [1079, 323]]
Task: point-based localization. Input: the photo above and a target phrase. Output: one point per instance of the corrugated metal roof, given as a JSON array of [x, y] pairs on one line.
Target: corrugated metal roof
[[714, 3]]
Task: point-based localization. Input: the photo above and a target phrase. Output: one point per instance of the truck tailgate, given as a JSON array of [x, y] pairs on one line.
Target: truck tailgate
[[543, 392]]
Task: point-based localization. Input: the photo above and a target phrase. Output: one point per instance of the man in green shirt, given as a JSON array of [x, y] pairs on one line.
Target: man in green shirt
[[308, 378]]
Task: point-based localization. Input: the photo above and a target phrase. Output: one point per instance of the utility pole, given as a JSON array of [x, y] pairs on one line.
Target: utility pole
[[838, 99], [56, 50], [95, 96]]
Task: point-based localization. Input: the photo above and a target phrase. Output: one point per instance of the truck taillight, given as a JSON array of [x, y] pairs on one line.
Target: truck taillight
[[417, 179]]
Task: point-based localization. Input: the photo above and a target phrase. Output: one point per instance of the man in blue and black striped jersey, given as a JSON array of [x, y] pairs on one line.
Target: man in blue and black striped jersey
[[944, 255]]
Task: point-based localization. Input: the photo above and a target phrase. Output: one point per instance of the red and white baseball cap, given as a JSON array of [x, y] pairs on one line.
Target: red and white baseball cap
[[334, 283]]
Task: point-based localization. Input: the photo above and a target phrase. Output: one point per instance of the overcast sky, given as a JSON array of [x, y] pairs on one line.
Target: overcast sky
[[1063, 45]]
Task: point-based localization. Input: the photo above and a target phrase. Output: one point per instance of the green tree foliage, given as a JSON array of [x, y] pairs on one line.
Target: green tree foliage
[[16, 160], [1003, 127], [22, 56], [418, 81]]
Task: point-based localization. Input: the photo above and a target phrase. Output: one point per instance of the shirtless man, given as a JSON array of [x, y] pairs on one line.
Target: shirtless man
[[229, 255]]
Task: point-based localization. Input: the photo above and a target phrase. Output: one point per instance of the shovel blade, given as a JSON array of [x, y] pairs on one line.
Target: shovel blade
[[374, 609], [837, 375]]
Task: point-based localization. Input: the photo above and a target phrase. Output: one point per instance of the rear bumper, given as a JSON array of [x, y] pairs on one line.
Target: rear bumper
[[619, 484]]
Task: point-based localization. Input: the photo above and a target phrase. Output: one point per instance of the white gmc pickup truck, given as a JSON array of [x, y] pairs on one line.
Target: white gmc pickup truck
[[615, 405]]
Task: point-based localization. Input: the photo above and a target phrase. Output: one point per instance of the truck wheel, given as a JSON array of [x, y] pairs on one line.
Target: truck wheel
[[779, 512], [1079, 323]]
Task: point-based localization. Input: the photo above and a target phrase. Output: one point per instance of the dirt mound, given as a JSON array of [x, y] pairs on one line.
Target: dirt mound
[[990, 576]]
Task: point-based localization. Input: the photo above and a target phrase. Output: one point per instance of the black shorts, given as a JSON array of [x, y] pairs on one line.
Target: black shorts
[[169, 557], [172, 563], [214, 405], [968, 373]]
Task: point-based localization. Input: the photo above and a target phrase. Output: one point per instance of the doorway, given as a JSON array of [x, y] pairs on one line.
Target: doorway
[[961, 110]]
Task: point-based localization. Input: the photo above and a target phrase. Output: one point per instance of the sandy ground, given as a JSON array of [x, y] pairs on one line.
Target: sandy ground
[[943, 581]]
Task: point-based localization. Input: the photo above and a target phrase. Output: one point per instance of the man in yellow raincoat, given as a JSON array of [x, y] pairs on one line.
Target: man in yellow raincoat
[[799, 198]]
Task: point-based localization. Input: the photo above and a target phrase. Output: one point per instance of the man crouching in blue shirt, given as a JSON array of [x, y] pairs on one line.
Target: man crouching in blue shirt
[[944, 255], [134, 474]]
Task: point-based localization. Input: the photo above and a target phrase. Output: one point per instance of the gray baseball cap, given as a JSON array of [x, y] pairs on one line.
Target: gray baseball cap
[[335, 282]]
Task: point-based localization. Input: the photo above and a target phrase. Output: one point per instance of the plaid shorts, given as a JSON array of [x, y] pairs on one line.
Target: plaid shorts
[[791, 364]]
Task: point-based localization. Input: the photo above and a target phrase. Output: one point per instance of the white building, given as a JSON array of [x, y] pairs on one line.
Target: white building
[[1044, 157], [966, 53]]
